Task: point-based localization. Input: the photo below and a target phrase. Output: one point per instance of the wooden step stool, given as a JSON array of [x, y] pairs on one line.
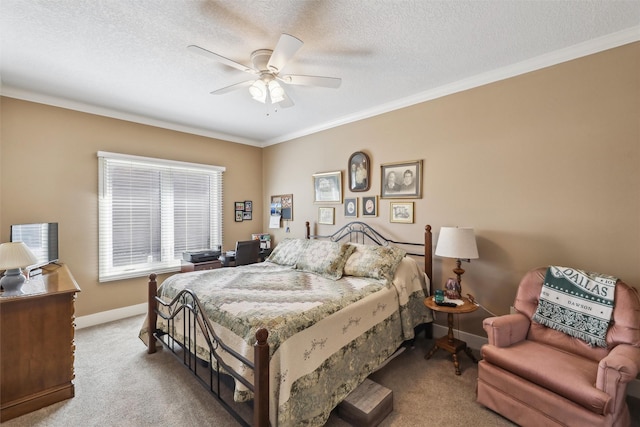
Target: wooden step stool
[[367, 405]]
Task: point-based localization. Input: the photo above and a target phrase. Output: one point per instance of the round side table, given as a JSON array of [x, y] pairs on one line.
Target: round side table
[[448, 342]]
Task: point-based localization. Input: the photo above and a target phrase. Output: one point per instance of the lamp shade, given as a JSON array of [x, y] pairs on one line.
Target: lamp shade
[[276, 92], [16, 255], [457, 242], [258, 91]]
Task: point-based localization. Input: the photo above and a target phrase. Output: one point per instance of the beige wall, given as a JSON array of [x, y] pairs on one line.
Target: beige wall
[[50, 173], [544, 166], [518, 160]]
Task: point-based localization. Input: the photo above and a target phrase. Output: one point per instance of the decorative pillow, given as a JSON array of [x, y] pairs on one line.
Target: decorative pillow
[[377, 262], [287, 251], [325, 258]]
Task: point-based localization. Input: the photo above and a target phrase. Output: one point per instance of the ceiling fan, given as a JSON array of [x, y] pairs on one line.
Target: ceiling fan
[[267, 65]]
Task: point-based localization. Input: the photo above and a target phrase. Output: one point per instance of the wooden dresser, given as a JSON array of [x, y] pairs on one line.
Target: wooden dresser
[[36, 343]]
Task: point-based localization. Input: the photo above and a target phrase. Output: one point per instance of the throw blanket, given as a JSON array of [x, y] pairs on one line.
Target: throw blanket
[[578, 303]]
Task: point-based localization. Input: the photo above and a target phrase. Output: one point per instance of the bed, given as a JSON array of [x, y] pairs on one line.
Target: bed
[[300, 331]]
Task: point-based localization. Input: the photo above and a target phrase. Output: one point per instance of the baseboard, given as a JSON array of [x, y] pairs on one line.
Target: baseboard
[[110, 315], [476, 341]]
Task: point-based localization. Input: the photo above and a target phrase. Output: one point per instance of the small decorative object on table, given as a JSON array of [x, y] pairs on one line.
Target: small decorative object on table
[[452, 288], [439, 296]]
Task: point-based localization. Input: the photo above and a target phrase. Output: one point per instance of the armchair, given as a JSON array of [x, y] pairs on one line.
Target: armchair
[[537, 376]]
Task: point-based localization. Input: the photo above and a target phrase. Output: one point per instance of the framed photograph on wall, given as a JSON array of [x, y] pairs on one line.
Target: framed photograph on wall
[[239, 206], [401, 212], [351, 207], [327, 187], [239, 216], [401, 180], [370, 206], [276, 205], [248, 206], [359, 172], [326, 215], [247, 216]]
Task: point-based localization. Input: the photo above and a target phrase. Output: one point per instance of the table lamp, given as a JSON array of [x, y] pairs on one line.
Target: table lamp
[[13, 257], [458, 243]]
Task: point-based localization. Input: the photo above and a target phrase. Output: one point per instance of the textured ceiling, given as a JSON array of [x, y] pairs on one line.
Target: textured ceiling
[[129, 59]]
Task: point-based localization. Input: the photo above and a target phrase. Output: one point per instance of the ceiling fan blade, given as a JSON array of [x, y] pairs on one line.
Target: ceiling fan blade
[[226, 61], [292, 79], [285, 49], [232, 87]]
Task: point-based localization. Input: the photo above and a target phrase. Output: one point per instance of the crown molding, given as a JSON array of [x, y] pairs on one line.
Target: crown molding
[[543, 61]]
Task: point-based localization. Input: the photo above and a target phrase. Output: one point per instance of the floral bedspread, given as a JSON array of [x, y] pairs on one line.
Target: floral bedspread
[[325, 336]]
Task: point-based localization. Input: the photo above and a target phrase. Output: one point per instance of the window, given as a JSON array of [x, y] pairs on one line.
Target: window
[[151, 210]]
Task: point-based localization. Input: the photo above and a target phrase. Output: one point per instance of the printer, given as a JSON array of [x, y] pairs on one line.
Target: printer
[[202, 255]]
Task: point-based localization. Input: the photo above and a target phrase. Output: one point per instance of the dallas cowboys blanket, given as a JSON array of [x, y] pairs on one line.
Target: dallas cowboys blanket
[[578, 303]]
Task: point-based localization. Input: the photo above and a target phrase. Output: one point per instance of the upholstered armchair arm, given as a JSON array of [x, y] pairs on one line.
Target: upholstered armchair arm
[[506, 330], [620, 366]]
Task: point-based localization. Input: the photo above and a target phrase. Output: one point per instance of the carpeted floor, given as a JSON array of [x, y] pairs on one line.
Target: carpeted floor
[[119, 384]]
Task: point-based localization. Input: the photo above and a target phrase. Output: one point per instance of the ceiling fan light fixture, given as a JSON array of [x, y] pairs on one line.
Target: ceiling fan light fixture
[[258, 91], [276, 92]]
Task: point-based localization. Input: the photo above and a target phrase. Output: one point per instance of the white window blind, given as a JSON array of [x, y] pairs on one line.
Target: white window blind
[[151, 210]]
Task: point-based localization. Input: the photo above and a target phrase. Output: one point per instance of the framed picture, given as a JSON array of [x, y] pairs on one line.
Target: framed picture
[[276, 205], [401, 180], [326, 216], [287, 206], [328, 187], [239, 206], [239, 215], [248, 206], [452, 288], [401, 212], [359, 172], [246, 216], [351, 207], [370, 206]]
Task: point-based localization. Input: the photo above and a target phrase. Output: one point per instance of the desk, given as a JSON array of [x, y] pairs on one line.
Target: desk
[[228, 259], [186, 266], [36, 342], [448, 342]]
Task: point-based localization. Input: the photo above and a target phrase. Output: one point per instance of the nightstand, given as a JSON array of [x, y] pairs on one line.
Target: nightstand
[[448, 342]]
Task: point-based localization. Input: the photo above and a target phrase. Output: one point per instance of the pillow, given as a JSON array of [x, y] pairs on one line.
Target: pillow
[[287, 251], [324, 258], [377, 262]]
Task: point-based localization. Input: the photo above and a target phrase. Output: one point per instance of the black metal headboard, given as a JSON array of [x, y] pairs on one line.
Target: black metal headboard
[[360, 232]]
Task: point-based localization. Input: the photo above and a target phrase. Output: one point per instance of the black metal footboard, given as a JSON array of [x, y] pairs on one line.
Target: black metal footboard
[[214, 374]]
